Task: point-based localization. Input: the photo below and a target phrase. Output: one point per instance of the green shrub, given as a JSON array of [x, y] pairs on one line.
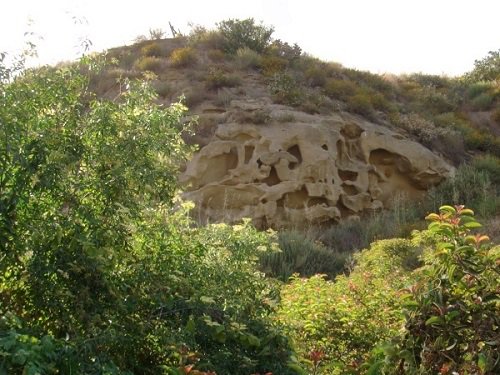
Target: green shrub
[[99, 274], [478, 88], [162, 88], [361, 104], [471, 185], [216, 55], [300, 255], [284, 50], [238, 34], [345, 319], [285, 89], [247, 58], [152, 49], [490, 165], [183, 57], [487, 69], [482, 102], [315, 76], [340, 89], [271, 65], [149, 63], [217, 78], [451, 313]]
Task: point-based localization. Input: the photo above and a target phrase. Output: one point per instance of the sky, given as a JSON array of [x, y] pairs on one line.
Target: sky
[[382, 36]]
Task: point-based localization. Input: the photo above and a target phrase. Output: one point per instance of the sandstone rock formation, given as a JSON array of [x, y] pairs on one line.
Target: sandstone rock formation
[[301, 169]]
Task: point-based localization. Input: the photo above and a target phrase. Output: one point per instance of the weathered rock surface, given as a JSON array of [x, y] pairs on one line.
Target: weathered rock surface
[[309, 170]]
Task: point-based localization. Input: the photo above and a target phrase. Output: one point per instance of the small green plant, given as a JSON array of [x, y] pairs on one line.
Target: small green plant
[[152, 49], [299, 254], [285, 89], [247, 58], [217, 78], [271, 65], [238, 34], [183, 57], [360, 103], [340, 89], [149, 63], [482, 102]]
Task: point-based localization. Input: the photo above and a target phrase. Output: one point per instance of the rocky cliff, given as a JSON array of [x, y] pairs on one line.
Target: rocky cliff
[[299, 169]]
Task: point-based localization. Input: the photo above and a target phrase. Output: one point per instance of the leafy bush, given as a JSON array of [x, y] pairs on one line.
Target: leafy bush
[[360, 103], [471, 185], [183, 57], [284, 50], [340, 89], [298, 254], [346, 318], [487, 69], [152, 49], [452, 311], [490, 165], [285, 89], [271, 65], [149, 63], [216, 55], [482, 102], [315, 76], [162, 88], [238, 34], [217, 78], [247, 58], [98, 273]]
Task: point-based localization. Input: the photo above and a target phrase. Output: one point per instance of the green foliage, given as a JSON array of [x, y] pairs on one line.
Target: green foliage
[[149, 63], [346, 318], [183, 57], [247, 58], [340, 89], [486, 69], [452, 319], [271, 65], [298, 254], [238, 34], [217, 79], [482, 102], [284, 50], [98, 274], [152, 49], [360, 103], [285, 89], [471, 185]]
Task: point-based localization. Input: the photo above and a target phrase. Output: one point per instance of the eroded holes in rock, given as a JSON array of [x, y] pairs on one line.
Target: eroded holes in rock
[[317, 201], [280, 203], [296, 199], [324, 147], [349, 189], [295, 151], [382, 157], [248, 153], [347, 175], [259, 163], [273, 178], [344, 211], [219, 166]]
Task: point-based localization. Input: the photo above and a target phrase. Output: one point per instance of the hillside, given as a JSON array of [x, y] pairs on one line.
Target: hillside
[[237, 92], [105, 268]]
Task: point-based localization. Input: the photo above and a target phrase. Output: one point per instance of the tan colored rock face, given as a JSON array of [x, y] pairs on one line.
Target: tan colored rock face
[[309, 171]]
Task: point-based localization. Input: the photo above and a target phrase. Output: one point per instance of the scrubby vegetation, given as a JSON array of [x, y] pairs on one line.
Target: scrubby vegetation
[[102, 271]]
